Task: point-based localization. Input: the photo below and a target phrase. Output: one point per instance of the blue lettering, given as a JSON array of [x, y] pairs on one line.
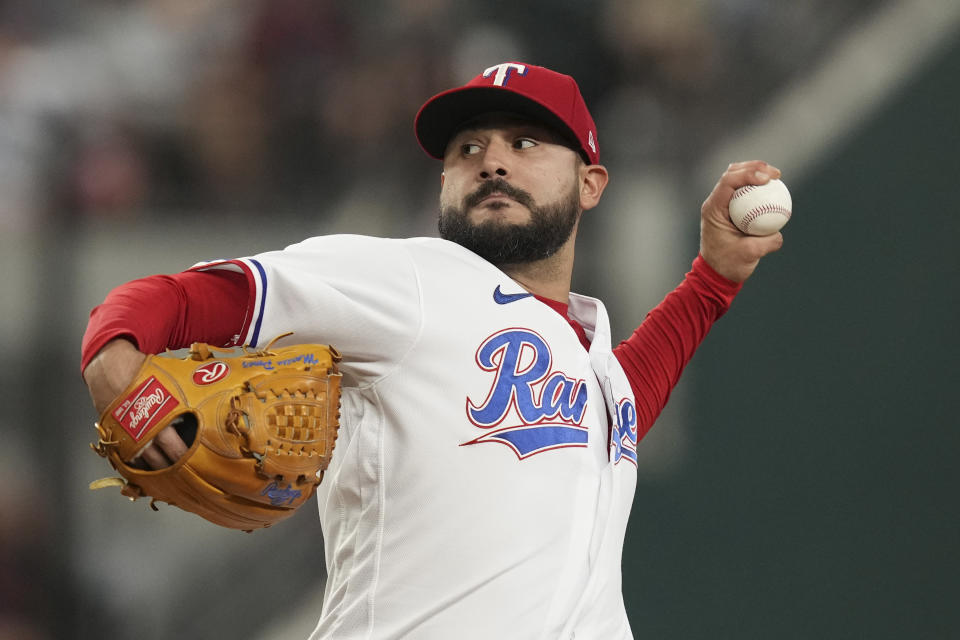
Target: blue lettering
[[280, 496], [560, 395], [307, 358], [625, 432]]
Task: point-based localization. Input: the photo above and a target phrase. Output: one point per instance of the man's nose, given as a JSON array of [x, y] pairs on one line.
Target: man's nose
[[495, 162]]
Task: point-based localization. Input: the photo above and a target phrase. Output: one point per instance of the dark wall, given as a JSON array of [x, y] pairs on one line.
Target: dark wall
[[820, 499]]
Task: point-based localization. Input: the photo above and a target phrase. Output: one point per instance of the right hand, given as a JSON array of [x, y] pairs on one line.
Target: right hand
[[732, 253], [109, 373]]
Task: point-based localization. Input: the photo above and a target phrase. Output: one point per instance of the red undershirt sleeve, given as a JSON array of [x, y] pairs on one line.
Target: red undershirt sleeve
[[170, 311], [657, 352]]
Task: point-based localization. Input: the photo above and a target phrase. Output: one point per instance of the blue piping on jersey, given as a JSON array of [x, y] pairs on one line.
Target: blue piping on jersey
[[263, 301]]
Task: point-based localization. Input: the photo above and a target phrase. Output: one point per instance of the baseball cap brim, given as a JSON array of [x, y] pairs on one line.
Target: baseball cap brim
[[443, 115]]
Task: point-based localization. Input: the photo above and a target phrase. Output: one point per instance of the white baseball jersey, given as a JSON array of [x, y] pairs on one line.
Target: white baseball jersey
[[486, 463]]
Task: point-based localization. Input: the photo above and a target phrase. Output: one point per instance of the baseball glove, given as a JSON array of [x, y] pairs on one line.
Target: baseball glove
[[260, 427]]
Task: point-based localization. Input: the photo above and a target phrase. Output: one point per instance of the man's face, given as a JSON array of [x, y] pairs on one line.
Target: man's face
[[511, 191]]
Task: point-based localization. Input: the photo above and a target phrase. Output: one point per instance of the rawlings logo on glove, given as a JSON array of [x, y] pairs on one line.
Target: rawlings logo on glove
[[265, 426]]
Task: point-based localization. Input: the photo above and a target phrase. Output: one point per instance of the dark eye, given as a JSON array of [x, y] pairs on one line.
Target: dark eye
[[524, 143], [469, 149]]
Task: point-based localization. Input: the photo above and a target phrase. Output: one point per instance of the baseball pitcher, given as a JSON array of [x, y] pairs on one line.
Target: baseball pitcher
[[481, 477]]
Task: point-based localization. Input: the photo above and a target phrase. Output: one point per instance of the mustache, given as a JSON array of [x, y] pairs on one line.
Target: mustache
[[498, 185]]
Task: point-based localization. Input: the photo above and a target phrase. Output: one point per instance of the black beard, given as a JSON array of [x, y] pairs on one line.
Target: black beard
[[549, 228]]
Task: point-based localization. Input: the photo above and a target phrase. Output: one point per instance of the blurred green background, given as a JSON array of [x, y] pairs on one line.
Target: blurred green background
[[819, 500]]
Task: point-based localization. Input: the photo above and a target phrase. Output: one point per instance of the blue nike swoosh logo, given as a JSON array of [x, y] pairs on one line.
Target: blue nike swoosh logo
[[506, 298]]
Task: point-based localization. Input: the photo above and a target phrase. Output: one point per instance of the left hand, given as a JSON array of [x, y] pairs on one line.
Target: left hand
[[108, 374], [732, 253]]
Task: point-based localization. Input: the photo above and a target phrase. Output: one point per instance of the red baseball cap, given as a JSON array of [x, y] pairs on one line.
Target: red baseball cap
[[538, 93]]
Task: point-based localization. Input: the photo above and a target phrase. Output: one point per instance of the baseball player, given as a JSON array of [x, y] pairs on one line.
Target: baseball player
[[486, 463]]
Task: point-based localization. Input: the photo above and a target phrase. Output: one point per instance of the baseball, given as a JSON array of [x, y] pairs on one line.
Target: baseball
[[760, 210]]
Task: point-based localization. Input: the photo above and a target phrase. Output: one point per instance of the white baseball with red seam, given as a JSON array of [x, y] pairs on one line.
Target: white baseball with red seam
[[760, 210]]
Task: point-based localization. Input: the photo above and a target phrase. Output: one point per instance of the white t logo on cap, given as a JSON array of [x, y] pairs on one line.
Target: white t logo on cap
[[503, 72]]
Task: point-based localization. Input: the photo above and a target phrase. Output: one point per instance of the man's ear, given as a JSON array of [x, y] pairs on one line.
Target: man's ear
[[593, 180], [443, 177]]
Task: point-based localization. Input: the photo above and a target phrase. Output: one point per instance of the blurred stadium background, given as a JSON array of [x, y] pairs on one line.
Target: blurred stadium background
[[802, 483]]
